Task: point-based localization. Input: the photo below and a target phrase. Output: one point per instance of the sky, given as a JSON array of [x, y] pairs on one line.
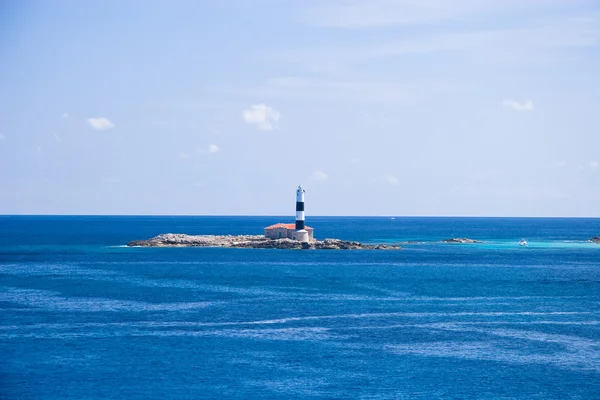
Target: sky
[[379, 107]]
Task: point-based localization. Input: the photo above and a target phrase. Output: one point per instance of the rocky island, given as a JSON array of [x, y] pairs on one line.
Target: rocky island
[[253, 242], [595, 239], [461, 240]]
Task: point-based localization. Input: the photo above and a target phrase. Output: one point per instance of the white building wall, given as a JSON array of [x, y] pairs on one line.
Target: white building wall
[[278, 233]]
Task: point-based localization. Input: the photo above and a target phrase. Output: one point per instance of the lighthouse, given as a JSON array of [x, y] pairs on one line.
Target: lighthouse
[[301, 233], [298, 231]]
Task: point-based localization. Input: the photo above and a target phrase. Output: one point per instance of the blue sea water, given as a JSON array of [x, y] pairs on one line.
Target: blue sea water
[[83, 317]]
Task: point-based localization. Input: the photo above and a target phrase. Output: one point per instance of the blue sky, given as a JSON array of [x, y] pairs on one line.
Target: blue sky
[[380, 107]]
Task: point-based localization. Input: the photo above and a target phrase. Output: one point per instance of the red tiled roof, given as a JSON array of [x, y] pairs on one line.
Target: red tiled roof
[[287, 226]]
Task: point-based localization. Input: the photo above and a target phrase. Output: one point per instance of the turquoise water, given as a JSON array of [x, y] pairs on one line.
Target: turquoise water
[[84, 317]]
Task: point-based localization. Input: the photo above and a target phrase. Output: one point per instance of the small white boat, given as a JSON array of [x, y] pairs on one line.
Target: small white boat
[[522, 242]]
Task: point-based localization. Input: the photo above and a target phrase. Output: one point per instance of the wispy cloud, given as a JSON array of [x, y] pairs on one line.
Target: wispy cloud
[[594, 165], [533, 39], [358, 14], [262, 116], [65, 115], [518, 106], [320, 176], [56, 138], [355, 14], [100, 123], [391, 179], [213, 148]]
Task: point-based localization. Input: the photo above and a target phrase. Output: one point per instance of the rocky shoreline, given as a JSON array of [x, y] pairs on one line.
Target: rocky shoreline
[[461, 240], [253, 242], [261, 242]]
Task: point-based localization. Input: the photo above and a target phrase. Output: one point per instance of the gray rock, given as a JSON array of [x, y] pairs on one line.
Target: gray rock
[[461, 240], [596, 239], [252, 242]]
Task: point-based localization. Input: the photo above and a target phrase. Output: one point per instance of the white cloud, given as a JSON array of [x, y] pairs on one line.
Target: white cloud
[[56, 138], [360, 14], [213, 148], [262, 116], [391, 179], [184, 155], [353, 14], [65, 115], [534, 41], [594, 164], [320, 176], [517, 106], [100, 123]]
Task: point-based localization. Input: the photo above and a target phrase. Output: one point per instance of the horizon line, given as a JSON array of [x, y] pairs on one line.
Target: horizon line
[[291, 216]]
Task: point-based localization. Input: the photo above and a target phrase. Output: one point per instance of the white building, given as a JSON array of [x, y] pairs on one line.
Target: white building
[[281, 230]]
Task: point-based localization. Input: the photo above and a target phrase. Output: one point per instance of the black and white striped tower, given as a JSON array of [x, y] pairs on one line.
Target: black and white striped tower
[[300, 208], [301, 233]]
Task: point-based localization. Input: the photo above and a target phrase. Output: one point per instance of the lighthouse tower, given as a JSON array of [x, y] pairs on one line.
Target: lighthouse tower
[[301, 233]]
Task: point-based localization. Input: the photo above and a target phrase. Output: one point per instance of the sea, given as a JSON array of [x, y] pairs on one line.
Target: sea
[[83, 316]]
